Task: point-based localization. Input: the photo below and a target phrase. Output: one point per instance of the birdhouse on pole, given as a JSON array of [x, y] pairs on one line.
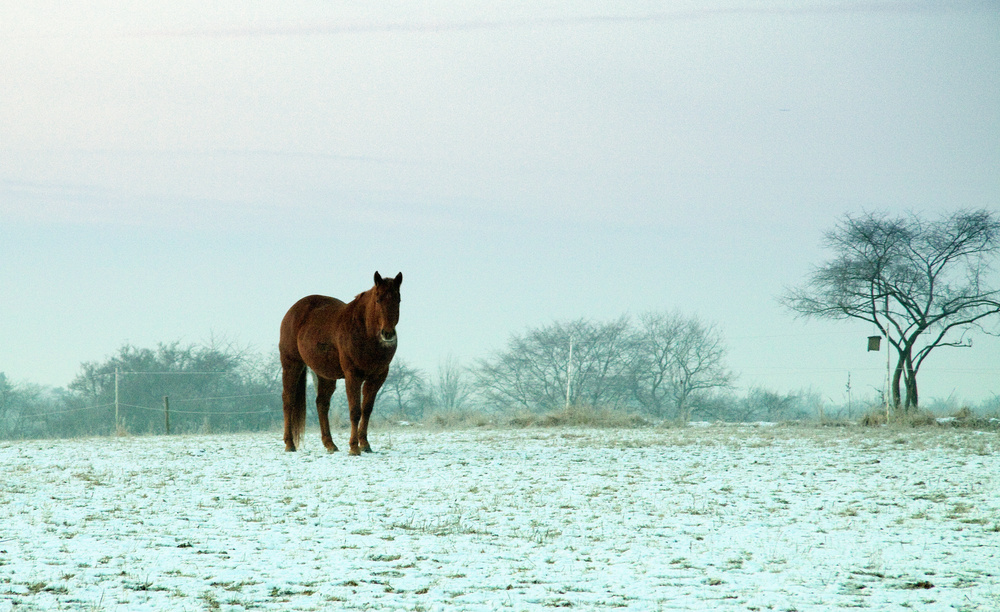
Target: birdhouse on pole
[[874, 342]]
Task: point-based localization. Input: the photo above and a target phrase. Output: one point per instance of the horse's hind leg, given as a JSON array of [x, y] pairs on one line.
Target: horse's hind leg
[[293, 399], [324, 391]]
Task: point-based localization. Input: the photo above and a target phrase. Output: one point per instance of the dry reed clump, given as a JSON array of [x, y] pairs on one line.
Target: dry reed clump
[[877, 417], [962, 418], [579, 416], [919, 418], [461, 419]]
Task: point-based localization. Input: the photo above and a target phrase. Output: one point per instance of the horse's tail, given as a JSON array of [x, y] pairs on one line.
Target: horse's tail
[[297, 416]]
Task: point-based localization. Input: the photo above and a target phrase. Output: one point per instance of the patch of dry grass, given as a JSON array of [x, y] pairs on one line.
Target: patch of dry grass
[[579, 416]]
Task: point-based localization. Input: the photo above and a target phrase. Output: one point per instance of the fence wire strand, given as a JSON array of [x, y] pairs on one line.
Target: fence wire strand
[[206, 413]]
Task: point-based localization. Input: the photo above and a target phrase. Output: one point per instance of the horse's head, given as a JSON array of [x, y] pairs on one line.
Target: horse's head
[[384, 313]]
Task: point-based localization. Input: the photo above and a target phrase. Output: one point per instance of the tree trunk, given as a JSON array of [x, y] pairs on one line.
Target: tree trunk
[[683, 410], [910, 380], [896, 376], [912, 398]]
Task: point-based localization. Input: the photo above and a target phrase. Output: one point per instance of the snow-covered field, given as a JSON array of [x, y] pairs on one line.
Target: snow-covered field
[[701, 518]]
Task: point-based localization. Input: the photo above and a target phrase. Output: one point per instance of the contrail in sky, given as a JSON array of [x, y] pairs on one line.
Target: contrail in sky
[[333, 28]]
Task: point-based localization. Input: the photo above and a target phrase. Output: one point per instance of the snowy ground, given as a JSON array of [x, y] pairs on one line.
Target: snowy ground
[[702, 518]]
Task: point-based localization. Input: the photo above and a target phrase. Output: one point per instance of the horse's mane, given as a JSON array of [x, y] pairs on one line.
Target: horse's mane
[[359, 305]]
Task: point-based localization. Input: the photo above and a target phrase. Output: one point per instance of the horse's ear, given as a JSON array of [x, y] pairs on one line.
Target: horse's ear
[[378, 278], [399, 279]]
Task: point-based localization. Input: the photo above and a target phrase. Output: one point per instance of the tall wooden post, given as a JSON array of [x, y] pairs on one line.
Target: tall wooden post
[[569, 373], [117, 417], [888, 359], [166, 413]]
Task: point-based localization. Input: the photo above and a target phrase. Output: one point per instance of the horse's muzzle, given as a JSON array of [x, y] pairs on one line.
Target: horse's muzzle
[[387, 337]]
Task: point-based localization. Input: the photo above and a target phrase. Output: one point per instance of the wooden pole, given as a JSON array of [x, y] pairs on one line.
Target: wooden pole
[[888, 359], [569, 373], [117, 418], [166, 412]]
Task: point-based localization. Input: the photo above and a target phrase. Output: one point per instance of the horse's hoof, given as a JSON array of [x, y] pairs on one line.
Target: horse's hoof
[[367, 449], [354, 451], [331, 449], [289, 448]]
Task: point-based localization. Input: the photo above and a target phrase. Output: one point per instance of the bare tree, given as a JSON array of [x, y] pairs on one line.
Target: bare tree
[[762, 404], [404, 390], [10, 408], [538, 367], [924, 284], [452, 391], [26, 409], [599, 366], [674, 360]]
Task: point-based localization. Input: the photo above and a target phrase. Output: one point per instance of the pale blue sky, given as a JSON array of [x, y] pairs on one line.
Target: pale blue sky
[[182, 172]]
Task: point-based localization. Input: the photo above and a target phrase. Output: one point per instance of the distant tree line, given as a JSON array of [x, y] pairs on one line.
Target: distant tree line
[[209, 388], [660, 366]]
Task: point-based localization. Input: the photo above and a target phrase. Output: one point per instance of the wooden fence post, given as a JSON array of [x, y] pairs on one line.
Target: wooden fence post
[[166, 412]]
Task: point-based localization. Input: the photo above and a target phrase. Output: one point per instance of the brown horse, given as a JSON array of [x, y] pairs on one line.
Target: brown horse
[[353, 341]]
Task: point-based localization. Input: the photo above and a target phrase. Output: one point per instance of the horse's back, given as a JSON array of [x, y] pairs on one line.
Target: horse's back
[[310, 311], [311, 303]]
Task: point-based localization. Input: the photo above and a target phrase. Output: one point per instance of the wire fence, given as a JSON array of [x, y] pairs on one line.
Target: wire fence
[[173, 411], [201, 412], [132, 403]]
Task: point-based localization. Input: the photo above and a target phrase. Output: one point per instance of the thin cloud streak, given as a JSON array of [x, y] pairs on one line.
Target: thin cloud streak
[[220, 153], [328, 29], [334, 28]]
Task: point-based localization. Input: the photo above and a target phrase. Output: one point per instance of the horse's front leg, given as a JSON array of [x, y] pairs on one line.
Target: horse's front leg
[[370, 390], [352, 385]]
